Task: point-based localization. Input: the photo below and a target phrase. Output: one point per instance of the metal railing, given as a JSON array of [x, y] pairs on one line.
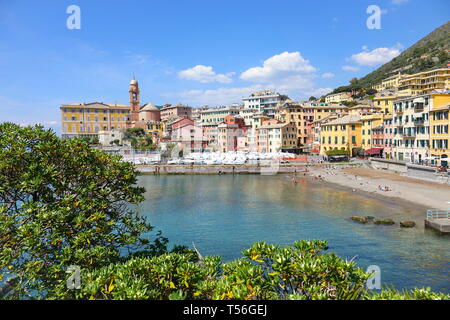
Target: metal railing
[[438, 214]]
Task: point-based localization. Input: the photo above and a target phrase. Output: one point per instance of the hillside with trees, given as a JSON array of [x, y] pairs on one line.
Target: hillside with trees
[[431, 52]]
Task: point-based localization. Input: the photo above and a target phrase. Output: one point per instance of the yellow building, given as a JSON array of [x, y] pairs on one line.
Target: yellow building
[[298, 114], [424, 82], [338, 97], [156, 129], [439, 134], [392, 82], [323, 111], [369, 122], [273, 137], [341, 134], [87, 119], [385, 101], [362, 109]]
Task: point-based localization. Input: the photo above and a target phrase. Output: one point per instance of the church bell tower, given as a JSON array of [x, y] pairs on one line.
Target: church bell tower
[[134, 100]]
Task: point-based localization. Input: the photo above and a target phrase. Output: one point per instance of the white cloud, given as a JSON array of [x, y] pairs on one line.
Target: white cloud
[[376, 56], [205, 74], [286, 64], [328, 75], [287, 73], [350, 68], [214, 97]]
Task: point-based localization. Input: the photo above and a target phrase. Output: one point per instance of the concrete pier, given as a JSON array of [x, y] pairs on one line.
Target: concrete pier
[[441, 225]]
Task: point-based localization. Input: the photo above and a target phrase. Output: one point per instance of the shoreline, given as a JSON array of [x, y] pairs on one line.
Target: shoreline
[[350, 177], [411, 192]]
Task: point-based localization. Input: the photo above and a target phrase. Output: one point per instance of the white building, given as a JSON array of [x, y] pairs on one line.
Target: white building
[[264, 101], [412, 128], [108, 138]]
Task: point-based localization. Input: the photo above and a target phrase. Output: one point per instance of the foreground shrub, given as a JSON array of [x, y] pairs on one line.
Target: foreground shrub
[[300, 271], [63, 203], [415, 294]]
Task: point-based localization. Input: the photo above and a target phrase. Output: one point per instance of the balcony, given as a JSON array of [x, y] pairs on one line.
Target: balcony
[[419, 121], [398, 110], [418, 106], [408, 134]]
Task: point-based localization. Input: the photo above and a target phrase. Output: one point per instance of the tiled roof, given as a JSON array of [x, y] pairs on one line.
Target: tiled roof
[[345, 120]]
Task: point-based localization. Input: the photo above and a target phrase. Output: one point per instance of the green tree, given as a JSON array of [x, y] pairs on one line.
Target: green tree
[[134, 133], [354, 81], [139, 139], [63, 203]]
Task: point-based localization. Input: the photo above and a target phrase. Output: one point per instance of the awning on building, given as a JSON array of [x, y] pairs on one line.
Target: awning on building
[[373, 151]]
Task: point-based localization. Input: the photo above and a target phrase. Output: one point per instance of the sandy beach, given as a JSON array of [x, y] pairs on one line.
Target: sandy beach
[[422, 193]]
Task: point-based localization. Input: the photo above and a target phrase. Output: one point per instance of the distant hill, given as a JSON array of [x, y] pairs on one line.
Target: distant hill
[[431, 52]]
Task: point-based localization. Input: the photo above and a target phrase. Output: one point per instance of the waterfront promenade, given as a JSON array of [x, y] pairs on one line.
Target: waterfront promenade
[[241, 169]]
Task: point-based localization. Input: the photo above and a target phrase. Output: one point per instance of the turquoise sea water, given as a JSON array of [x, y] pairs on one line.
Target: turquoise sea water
[[224, 214]]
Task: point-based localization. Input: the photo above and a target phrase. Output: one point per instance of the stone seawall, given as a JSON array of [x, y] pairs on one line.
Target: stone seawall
[[411, 170], [236, 169], [390, 165]]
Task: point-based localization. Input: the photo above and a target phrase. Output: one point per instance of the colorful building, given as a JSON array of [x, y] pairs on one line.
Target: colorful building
[[385, 101], [274, 136], [300, 115], [412, 128], [87, 119], [368, 124], [439, 134], [266, 101], [424, 82], [217, 115], [388, 136], [232, 134], [341, 134], [391, 82], [178, 110], [339, 97]]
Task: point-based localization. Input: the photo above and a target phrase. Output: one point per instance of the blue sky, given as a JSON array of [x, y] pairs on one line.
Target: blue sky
[[194, 52]]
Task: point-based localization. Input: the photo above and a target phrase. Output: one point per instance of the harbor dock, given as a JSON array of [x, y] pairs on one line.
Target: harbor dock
[[438, 220]]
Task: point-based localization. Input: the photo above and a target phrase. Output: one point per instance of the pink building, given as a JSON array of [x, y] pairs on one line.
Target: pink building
[[178, 110], [232, 134], [189, 136], [150, 112], [211, 134], [388, 137]]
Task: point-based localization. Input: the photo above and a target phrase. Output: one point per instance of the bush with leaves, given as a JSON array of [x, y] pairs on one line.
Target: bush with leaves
[[63, 203], [300, 271], [415, 294]]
